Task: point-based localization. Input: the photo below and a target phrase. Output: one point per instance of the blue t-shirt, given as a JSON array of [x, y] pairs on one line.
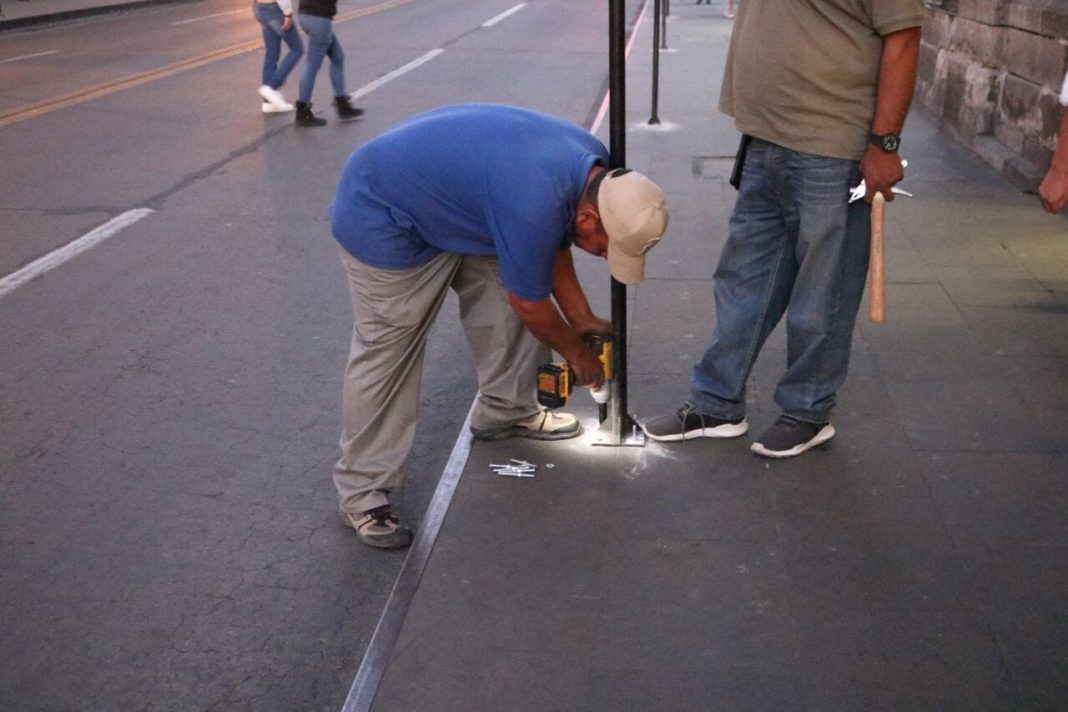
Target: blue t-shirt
[[474, 179]]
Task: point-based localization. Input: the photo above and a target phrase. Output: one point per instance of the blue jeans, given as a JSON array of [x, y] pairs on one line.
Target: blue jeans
[[796, 247], [322, 42], [271, 20]]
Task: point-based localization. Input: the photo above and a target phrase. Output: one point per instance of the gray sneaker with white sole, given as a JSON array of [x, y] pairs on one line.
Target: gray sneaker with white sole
[[687, 424], [789, 437]]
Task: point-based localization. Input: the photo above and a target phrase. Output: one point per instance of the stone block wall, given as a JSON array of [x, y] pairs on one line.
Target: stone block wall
[[992, 71]]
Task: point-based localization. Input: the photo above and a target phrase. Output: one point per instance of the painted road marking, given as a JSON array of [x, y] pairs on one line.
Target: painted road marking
[[399, 71], [493, 21], [205, 17], [71, 250], [29, 56], [39, 109], [13, 116], [626, 55]]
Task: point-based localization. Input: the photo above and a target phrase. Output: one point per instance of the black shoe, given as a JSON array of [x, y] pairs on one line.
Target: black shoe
[[305, 117], [790, 437], [687, 424], [379, 527], [345, 110]]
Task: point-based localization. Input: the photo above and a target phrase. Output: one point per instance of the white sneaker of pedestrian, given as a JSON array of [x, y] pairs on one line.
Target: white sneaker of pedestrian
[[272, 109], [274, 98]]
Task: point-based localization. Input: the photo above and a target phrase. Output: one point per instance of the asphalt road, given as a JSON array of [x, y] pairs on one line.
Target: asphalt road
[[169, 398]]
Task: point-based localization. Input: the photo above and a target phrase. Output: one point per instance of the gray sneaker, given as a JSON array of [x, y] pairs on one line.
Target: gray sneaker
[[687, 424], [379, 527], [789, 437]]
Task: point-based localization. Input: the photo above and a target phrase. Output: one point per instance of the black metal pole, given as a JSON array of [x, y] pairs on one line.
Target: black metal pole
[[617, 80], [620, 426], [654, 118], [663, 24], [617, 149]]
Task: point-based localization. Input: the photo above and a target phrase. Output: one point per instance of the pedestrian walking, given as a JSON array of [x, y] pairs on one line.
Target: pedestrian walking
[[487, 201], [317, 21], [819, 107], [276, 23]]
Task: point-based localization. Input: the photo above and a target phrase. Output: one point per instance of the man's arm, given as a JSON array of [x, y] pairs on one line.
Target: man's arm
[[1054, 188], [543, 320], [897, 82], [564, 336]]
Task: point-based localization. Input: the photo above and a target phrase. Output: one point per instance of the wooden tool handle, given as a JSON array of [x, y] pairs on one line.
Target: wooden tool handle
[[878, 263]]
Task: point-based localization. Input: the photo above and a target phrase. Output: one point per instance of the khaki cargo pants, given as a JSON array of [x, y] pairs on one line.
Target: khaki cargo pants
[[394, 311]]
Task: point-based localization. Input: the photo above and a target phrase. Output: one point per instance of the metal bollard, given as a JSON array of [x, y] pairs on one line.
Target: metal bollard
[[663, 21], [654, 119]]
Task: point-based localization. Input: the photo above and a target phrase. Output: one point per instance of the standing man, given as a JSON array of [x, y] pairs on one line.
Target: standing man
[[487, 201], [820, 90]]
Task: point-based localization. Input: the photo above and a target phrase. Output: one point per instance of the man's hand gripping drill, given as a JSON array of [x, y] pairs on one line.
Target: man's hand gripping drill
[[592, 369]]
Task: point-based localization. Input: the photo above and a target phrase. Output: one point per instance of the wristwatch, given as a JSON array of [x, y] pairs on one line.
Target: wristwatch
[[888, 142]]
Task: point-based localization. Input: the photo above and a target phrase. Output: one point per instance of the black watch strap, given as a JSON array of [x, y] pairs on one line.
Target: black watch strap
[[888, 142]]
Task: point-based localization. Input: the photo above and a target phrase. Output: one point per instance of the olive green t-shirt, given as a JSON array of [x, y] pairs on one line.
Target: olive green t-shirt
[[803, 73]]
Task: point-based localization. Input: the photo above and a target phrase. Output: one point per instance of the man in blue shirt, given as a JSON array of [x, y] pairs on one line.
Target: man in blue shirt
[[485, 200]]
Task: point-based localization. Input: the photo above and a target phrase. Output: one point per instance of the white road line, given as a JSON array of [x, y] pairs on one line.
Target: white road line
[[71, 250], [399, 71], [380, 649], [205, 17], [29, 56], [493, 21]]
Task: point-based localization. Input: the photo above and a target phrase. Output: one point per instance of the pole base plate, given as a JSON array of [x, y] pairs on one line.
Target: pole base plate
[[630, 435]]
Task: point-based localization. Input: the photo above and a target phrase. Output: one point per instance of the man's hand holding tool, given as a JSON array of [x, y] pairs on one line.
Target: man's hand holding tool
[[861, 190], [877, 268], [556, 380]]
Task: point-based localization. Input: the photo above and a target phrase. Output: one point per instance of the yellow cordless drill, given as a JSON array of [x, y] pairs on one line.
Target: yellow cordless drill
[[555, 380]]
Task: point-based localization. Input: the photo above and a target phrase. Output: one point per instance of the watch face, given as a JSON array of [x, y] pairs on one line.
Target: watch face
[[889, 143]]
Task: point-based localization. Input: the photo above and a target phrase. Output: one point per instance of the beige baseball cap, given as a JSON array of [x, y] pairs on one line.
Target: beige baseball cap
[[634, 215]]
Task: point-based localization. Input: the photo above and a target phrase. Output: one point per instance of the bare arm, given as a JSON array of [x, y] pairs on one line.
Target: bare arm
[[563, 332], [897, 82], [544, 320], [1054, 188]]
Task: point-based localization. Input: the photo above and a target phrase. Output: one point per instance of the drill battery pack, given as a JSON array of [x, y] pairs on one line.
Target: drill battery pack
[[556, 380], [554, 384]]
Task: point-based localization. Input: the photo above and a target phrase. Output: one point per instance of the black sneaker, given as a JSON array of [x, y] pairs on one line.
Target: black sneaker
[[379, 527], [687, 424], [790, 437]]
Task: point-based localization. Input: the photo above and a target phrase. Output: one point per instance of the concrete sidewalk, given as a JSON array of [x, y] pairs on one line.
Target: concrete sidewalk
[[916, 563]]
